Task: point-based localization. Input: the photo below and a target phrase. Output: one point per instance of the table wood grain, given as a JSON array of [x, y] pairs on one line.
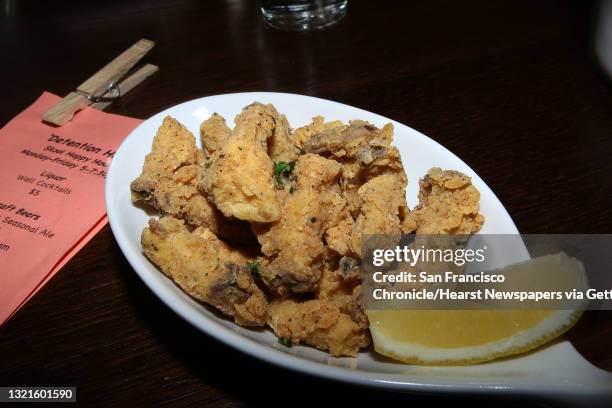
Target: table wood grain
[[509, 86]]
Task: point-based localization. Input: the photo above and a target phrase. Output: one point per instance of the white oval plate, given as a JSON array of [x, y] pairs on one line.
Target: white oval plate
[[556, 371]]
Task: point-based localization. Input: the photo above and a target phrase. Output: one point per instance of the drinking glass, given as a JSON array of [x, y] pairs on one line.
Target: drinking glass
[[300, 15]]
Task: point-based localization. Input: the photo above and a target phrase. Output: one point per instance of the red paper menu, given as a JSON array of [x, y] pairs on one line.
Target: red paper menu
[[52, 193]]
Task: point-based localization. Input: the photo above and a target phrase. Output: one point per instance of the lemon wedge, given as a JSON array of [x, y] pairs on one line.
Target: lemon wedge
[[461, 337]]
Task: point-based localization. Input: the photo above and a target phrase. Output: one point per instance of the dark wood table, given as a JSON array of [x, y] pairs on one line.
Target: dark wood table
[[511, 87]]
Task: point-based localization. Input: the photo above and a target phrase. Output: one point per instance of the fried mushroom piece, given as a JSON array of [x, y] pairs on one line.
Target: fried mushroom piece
[[213, 133], [318, 323], [364, 151], [338, 235], [373, 183], [238, 177], [168, 183], [366, 162], [448, 204], [302, 135], [383, 209], [347, 141], [281, 146], [178, 196], [342, 286], [294, 244], [173, 147], [206, 268]]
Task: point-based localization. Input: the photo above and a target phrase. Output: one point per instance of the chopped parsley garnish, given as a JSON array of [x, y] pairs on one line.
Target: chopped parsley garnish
[[281, 170], [292, 189], [208, 164], [285, 342], [253, 266]]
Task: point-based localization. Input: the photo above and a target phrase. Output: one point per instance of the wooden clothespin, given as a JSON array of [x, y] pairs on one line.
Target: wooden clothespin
[[105, 86]]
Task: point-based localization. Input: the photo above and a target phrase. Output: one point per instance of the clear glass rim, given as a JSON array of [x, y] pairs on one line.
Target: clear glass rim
[[304, 20]]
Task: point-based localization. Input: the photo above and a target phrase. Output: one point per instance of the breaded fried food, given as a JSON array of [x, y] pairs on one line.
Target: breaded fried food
[[448, 204], [173, 147], [373, 182], [383, 209], [342, 286], [294, 244], [338, 235], [347, 141], [238, 177], [168, 183], [281, 147], [178, 196], [308, 198], [303, 134], [206, 268], [168, 178], [214, 132], [364, 151], [318, 323]]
